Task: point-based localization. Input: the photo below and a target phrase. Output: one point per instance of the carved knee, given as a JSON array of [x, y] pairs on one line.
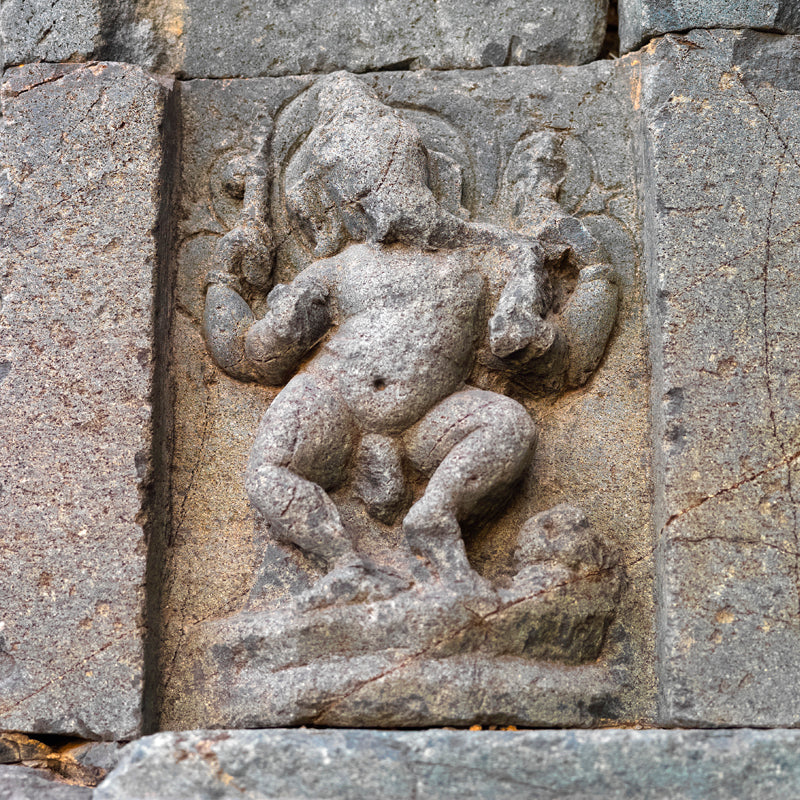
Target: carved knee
[[511, 432], [307, 430]]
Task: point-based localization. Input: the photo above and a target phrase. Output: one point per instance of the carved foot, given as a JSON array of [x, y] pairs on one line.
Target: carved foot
[[351, 582], [435, 535]]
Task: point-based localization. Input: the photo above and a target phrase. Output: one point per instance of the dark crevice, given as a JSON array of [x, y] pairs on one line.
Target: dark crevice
[[611, 44], [55, 741], [52, 754], [157, 506], [398, 66]]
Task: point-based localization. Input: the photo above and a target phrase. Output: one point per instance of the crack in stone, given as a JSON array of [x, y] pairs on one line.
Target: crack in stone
[[768, 117], [10, 94], [765, 274], [732, 540], [729, 263], [77, 665], [479, 619], [180, 517], [785, 461]]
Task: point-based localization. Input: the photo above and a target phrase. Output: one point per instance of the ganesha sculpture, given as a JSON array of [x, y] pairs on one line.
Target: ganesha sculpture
[[394, 343]]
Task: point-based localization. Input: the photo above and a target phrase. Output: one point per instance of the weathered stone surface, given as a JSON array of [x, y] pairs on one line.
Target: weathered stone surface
[[80, 170], [351, 765], [75, 30], [438, 654], [208, 38], [100, 756], [38, 30], [720, 190], [640, 20], [26, 783], [495, 153]]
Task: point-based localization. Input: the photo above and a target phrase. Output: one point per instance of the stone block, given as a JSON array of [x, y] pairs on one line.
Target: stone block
[[359, 765], [80, 215], [218, 38], [209, 38], [720, 193], [640, 20]]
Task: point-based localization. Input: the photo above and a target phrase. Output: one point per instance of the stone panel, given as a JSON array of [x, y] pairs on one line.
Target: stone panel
[[359, 765], [593, 445], [219, 38], [32, 30], [81, 188], [720, 190], [211, 38], [640, 20]]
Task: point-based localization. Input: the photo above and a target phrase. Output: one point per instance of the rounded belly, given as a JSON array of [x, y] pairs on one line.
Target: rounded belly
[[393, 366]]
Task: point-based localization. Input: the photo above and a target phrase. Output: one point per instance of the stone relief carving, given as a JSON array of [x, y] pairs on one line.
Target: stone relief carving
[[398, 333]]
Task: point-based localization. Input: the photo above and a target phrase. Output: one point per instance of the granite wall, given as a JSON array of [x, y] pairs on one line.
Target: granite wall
[[625, 175]]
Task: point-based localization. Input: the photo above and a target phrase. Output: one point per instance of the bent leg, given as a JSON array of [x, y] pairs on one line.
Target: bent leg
[[476, 444], [302, 448]]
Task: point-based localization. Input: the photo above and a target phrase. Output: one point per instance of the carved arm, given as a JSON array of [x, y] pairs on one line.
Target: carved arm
[[297, 319], [226, 320], [270, 349], [551, 349]]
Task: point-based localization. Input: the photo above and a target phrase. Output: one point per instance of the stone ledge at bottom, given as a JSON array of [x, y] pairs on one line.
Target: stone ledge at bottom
[[442, 764], [26, 783]]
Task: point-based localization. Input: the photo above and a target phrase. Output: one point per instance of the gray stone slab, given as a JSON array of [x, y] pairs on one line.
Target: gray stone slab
[[218, 38], [351, 765], [720, 196], [80, 169], [210, 38], [25, 783], [640, 20]]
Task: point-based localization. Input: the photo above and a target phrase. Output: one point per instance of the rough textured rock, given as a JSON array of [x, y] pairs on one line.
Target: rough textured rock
[[206, 38], [640, 20], [720, 190], [74, 30], [38, 30], [26, 783], [98, 756], [351, 765], [80, 168], [496, 153], [441, 653]]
